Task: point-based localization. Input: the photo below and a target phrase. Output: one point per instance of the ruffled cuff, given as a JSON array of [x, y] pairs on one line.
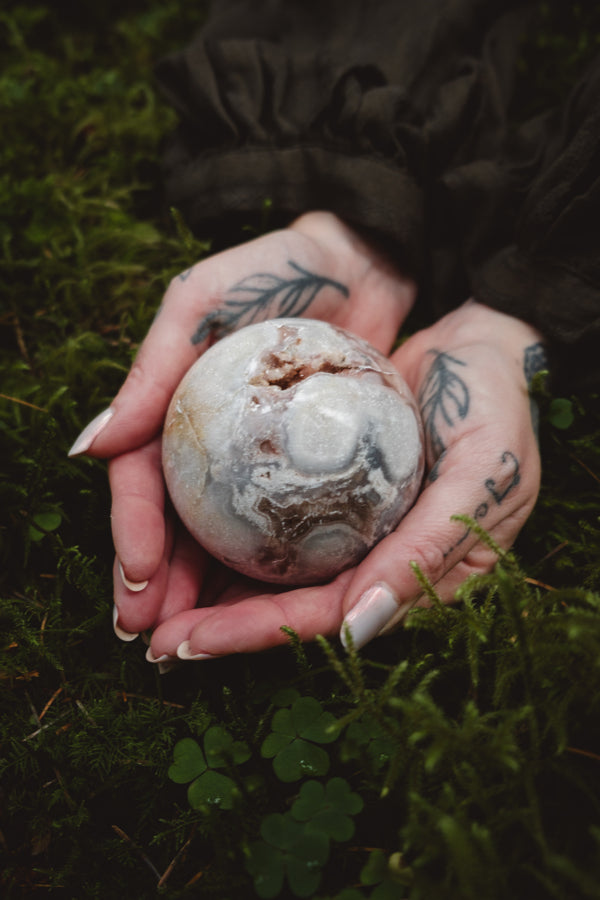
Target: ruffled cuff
[[367, 192]]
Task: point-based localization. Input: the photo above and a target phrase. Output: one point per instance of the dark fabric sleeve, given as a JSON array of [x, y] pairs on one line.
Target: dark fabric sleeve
[[547, 270], [325, 104], [394, 116]]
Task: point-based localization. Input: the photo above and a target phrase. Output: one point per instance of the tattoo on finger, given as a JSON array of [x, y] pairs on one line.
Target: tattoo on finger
[[498, 489], [265, 295]]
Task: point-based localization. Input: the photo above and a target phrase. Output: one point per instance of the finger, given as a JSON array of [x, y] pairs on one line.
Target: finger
[[137, 514], [500, 496], [252, 624], [136, 611], [137, 412], [325, 273], [259, 280], [142, 538], [174, 588], [188, 565]]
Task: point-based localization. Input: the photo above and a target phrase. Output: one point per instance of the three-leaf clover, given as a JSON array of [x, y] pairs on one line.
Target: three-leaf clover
[[191, 764], [287, 849], [296, 731], [292, 744], [328, 809], [366, 735]]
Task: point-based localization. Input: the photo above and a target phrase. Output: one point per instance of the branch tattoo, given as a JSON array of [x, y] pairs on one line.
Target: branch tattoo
[[444, 401], [265, 295]]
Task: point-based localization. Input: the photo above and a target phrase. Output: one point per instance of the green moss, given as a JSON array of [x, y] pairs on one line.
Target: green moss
[[468, 743]]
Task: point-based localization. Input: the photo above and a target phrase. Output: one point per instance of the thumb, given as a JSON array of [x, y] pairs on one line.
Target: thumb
[[137, 412]]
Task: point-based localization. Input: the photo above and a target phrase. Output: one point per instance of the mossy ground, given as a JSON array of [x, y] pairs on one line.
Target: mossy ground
[[472, 738]]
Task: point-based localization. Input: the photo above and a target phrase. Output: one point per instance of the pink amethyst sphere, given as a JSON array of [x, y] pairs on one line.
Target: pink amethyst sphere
[[290, 448]]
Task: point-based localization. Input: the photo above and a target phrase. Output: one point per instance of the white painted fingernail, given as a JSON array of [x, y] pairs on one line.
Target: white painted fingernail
[[184, 652], [122, 635], [151, 658], [91, 432], [372, 613], [136, 586]]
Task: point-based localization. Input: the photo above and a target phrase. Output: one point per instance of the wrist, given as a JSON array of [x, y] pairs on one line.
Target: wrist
[[474, 322], [492, 340]]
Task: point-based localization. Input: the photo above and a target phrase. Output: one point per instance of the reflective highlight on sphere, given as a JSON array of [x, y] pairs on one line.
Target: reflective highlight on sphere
[[290, 448]]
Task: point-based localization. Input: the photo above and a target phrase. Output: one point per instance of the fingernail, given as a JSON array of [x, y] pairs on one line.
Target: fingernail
[[372, 613], [91, 432], [131, 585], [151, 658], [122, 635], [184, 652]]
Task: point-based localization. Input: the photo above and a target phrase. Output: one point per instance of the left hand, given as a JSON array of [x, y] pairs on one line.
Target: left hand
[[470, 373]]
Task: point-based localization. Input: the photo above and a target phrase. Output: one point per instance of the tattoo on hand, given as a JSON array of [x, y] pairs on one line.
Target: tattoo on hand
[[264, 296], [444, 400], [510, 479], [534, 361]]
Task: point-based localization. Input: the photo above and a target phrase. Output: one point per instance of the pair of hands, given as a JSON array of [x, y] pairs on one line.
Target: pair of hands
[[469, 372]]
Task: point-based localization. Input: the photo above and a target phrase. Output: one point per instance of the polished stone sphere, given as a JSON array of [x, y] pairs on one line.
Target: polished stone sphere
[[290, 448]]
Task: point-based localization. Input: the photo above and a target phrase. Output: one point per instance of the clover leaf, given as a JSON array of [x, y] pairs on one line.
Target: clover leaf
[[191, 764], [560, 413], [221, 749], [212, 789], [46, 521], [288, 849], [188, 761], [292, 743], [366, 735], [328, 809]]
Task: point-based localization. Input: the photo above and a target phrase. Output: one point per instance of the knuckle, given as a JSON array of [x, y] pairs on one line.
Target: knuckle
[[429, 557]]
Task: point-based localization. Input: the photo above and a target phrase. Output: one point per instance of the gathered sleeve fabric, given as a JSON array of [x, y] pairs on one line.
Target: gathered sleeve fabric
[[393, 115]]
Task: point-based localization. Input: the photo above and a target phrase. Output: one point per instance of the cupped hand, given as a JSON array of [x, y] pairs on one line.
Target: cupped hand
[[318, 268], [470, 372]]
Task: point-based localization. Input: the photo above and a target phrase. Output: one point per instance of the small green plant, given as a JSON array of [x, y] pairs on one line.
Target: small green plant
[[295, 846], [208, 787], [561, 413], [297, 730]]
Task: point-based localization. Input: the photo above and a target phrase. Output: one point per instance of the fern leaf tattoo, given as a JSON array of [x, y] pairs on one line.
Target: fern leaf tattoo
[[263, 296], [444, 400]]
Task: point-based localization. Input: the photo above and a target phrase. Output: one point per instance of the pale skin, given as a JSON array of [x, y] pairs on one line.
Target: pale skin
[[470, 373]]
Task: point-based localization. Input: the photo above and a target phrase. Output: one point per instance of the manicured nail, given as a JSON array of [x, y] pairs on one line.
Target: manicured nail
[[151, 658], [91, 432], [184, 652], [122, 635], [372, 613], [131, 585]]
